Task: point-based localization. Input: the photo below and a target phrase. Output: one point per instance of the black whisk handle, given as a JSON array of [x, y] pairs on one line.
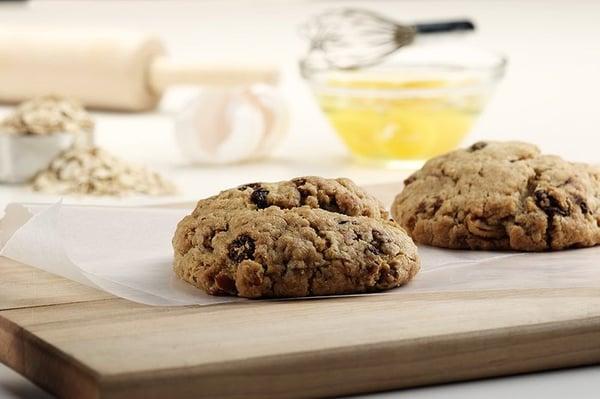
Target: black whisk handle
[[444, 26]]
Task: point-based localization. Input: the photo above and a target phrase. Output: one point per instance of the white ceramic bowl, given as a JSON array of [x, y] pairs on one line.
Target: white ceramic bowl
[[22, 156]]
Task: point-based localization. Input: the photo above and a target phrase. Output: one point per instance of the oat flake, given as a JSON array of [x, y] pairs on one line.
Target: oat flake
[[93, 171], [47, 115]]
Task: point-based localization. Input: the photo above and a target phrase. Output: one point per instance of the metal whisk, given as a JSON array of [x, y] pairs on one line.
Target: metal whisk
[[355, 38]]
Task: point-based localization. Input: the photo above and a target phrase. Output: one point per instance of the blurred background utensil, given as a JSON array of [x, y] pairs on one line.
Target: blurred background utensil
[[105, 69], [37, 131], [23, 156], [354, 38]]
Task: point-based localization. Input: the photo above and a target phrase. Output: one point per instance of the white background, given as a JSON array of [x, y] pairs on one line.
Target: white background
[[550, 96]]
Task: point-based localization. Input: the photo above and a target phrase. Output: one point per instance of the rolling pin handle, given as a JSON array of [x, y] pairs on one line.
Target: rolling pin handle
[[165, 72]]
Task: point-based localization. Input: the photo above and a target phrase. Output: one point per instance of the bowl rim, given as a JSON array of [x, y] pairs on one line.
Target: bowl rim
[[19, 136], [494, 72]]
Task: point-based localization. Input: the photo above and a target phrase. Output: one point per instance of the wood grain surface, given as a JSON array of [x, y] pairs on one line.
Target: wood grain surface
[[78, 342]]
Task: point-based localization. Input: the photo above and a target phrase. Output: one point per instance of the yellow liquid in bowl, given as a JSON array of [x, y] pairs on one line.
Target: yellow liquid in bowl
[[388, 128]]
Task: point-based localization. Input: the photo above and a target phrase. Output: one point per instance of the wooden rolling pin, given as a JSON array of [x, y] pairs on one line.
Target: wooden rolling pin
[[105, 70]]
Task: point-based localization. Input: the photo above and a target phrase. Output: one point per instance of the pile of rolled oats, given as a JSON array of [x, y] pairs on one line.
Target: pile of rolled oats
[[47, 115], [81, 169], [93, 171]]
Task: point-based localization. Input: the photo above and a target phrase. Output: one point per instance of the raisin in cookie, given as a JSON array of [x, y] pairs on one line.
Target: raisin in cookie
[[501, 195], [308, 236], [333, 195]]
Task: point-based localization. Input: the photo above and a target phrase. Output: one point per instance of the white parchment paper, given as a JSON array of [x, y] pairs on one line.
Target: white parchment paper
[[127, 252]]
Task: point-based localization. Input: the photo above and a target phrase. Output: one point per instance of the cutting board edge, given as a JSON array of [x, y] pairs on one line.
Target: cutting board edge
[[376, 367], [44, 365]]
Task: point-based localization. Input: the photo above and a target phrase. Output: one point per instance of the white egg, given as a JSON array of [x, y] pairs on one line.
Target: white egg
[[227, 125]]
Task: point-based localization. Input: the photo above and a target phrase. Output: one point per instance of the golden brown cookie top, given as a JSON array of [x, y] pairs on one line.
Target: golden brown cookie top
[[307, 236], [334, 195], [501, 195]]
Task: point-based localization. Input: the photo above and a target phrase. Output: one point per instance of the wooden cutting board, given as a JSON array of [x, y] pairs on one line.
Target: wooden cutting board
[[78, 342]]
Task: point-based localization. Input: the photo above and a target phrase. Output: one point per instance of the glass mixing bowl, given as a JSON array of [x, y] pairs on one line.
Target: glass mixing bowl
[[420, 102]]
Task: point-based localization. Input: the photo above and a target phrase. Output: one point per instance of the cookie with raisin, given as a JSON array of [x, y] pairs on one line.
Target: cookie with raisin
[[501, 196], [305, 237]]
